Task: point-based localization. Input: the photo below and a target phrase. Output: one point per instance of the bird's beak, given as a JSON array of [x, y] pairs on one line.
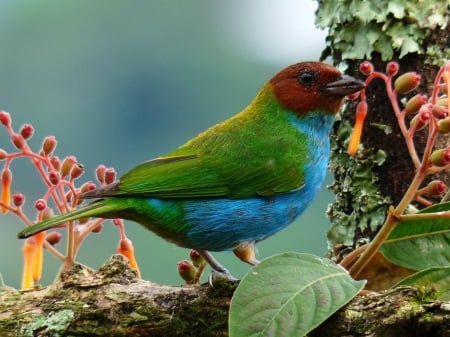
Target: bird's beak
[[344, 86]]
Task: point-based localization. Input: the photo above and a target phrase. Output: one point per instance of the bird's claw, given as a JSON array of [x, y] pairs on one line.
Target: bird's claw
[[216, 275]]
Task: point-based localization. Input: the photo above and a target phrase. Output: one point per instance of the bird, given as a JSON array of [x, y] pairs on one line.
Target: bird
[[240, 181]]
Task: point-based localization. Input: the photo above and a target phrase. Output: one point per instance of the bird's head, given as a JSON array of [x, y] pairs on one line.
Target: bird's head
[[313, 86]]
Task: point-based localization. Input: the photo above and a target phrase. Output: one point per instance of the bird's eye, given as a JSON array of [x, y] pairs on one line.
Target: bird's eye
[[307, 77]]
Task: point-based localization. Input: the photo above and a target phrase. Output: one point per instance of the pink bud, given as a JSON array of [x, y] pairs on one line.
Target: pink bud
[[56, 163], [392, 68], [437, 187], [54, 177], [421, 119], [366, 68], [18, 199], [5, 118], [196, 258], [40, 204], [27, 131], [88, 186], [110, 175], [100, 173], [18, 140]]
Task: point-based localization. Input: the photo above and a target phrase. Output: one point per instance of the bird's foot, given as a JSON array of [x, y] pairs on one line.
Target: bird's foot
[[217, 275]]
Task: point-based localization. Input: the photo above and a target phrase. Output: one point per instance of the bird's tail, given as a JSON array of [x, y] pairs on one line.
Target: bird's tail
[[99, 208]]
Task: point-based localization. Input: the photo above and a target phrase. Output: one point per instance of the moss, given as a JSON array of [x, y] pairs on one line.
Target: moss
[[359, 28], [359, 207], [54, 324]]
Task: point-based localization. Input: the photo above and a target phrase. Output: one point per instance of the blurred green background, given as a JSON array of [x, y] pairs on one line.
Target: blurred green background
[[121, 82]]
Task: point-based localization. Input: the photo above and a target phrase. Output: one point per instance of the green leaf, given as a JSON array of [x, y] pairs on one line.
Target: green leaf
[[289, 295], [436, 279], [420, 244]]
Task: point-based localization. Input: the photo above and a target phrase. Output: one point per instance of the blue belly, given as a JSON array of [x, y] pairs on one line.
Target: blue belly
[[219, 224]]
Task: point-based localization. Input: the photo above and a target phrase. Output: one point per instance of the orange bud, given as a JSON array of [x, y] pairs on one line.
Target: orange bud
[[361, 113], [126, 249], [407, 82], [67, 164], [28, 250], [76, 171], [6, 190], [3, 154], [39, 256], [49, 145]]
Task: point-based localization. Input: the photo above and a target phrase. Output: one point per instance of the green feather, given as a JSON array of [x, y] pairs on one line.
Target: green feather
[[255, 153], [97, 208]]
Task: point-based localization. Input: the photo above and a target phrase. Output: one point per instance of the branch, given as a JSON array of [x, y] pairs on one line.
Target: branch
[[113, 302]]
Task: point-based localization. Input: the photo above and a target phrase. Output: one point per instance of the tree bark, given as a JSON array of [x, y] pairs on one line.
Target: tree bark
[[113, 302]]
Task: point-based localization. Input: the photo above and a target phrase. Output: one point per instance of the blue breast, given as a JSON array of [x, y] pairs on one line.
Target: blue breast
[[219, 224]]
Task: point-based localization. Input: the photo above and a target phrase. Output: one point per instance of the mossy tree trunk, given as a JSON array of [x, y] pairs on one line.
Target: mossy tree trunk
[[417, 36]]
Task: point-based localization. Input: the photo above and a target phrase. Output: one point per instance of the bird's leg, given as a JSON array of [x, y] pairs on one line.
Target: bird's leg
[[246, 252], [218, 269]]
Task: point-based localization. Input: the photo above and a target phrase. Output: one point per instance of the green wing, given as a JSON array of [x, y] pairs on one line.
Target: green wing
[[239, 158]]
